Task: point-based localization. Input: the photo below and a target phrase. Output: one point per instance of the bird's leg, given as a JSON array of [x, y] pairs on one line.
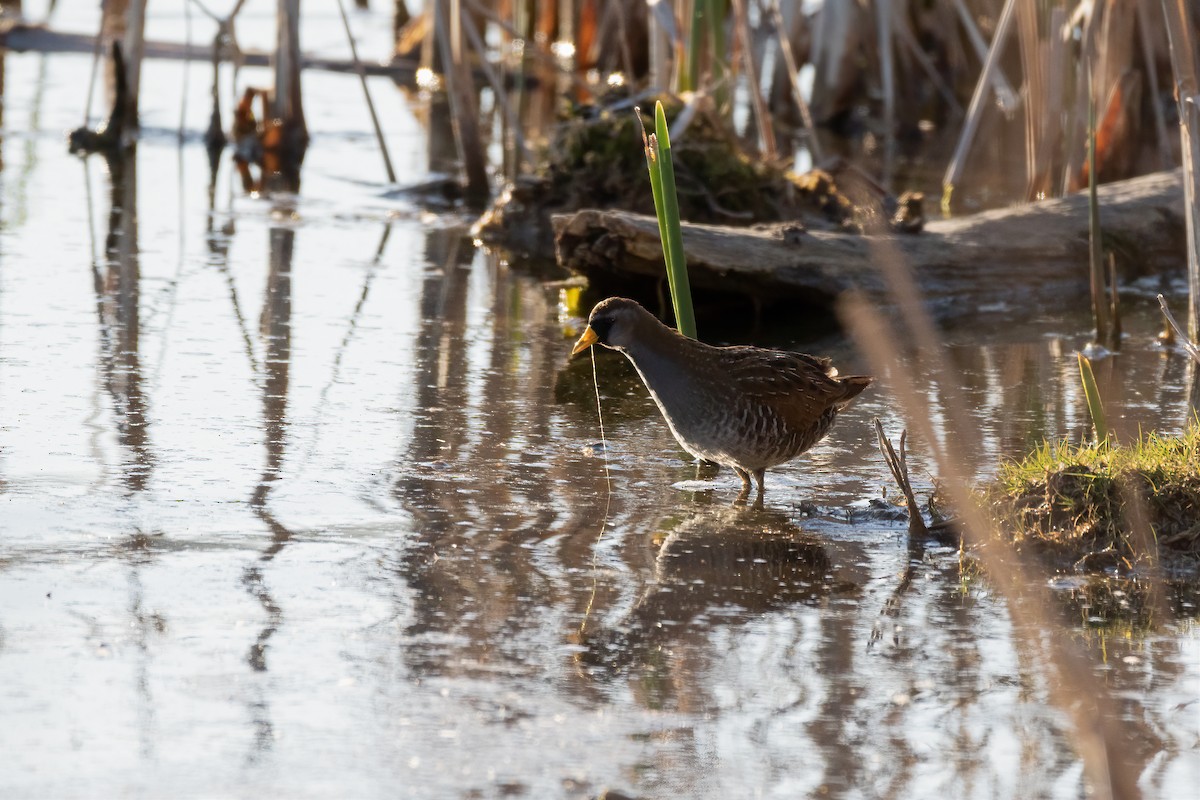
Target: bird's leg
[[759, 475], [745, 476]]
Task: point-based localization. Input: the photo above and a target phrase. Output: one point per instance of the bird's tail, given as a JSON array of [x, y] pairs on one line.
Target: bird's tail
[[852, 386]]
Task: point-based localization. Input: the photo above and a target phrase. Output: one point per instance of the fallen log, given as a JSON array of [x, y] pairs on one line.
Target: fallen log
[[1032, 256]]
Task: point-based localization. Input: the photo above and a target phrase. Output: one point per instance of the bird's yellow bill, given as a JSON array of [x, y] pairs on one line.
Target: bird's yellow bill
[[588, 339]]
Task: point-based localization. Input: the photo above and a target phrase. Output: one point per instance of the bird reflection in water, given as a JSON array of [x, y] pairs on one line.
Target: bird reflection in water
[[719, 563]]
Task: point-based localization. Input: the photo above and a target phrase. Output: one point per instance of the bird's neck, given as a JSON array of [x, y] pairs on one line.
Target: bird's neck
[[662, 357]]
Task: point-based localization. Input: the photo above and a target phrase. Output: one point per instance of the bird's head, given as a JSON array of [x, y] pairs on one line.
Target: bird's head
[[614, 323]]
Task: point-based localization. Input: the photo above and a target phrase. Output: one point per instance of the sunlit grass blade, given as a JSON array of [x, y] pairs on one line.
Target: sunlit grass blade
[[1092, 393]]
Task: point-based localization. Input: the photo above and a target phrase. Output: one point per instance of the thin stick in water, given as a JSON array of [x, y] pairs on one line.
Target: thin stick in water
[[362, 78]]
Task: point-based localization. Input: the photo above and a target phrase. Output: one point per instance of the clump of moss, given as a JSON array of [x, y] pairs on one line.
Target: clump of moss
[[1103, 502]]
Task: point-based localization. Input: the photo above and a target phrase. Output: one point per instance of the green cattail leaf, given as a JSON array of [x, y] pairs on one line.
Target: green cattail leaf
[[669, 227], [1092, 393]]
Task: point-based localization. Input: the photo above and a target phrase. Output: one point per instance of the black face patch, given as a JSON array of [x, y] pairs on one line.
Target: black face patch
[[602, 325]]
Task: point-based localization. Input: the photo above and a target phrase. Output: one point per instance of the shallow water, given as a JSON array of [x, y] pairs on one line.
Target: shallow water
[[301, 497]]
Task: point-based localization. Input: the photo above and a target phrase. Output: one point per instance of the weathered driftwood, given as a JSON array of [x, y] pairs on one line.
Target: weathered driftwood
[[1034, 254]]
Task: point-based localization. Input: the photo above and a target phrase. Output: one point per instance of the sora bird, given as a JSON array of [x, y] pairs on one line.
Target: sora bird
[[747, 408]]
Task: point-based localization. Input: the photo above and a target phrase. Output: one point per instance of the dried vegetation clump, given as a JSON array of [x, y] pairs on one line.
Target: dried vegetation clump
[[1105, 504], [595, 159]]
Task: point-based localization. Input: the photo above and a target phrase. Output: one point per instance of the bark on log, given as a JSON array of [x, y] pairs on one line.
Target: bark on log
[[1034, 255]]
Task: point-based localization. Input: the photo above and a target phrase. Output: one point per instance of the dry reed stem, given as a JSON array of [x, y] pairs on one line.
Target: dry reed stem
[[1160, 119], [1096, 730], [1043, 61], [1187, 92], [1005, 96], [362, 78], [887, 70], [903, 30], [785, 47], [975, 109], [461, 92], [132, 50], [762, 117], [532, 48], [512, 121], [898, 466], [288, 104]]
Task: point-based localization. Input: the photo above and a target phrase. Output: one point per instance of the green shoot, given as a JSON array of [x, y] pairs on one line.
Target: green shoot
[[666, 207], [1092, 392]]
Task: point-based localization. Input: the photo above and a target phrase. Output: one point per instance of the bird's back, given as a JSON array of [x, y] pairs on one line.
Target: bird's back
[[762, 407]]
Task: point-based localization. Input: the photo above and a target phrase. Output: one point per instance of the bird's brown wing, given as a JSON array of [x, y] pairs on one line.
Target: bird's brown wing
[[799, 387]]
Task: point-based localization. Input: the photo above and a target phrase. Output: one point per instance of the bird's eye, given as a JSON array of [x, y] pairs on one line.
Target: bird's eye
[[602, 326]]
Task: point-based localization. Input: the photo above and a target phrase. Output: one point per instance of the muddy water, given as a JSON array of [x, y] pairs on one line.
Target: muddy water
[[300, 496]]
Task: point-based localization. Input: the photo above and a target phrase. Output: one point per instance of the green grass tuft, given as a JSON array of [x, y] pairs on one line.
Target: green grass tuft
[[1090, 498]]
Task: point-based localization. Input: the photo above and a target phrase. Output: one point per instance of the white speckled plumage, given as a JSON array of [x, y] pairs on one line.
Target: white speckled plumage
[[747, 408]]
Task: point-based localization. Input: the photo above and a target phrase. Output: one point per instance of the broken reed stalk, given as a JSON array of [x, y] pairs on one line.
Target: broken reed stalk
[[898, 466], [1091, 393], [666, 208], [975, 109], [362, 79], [1072, 688], [1187, 93]]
